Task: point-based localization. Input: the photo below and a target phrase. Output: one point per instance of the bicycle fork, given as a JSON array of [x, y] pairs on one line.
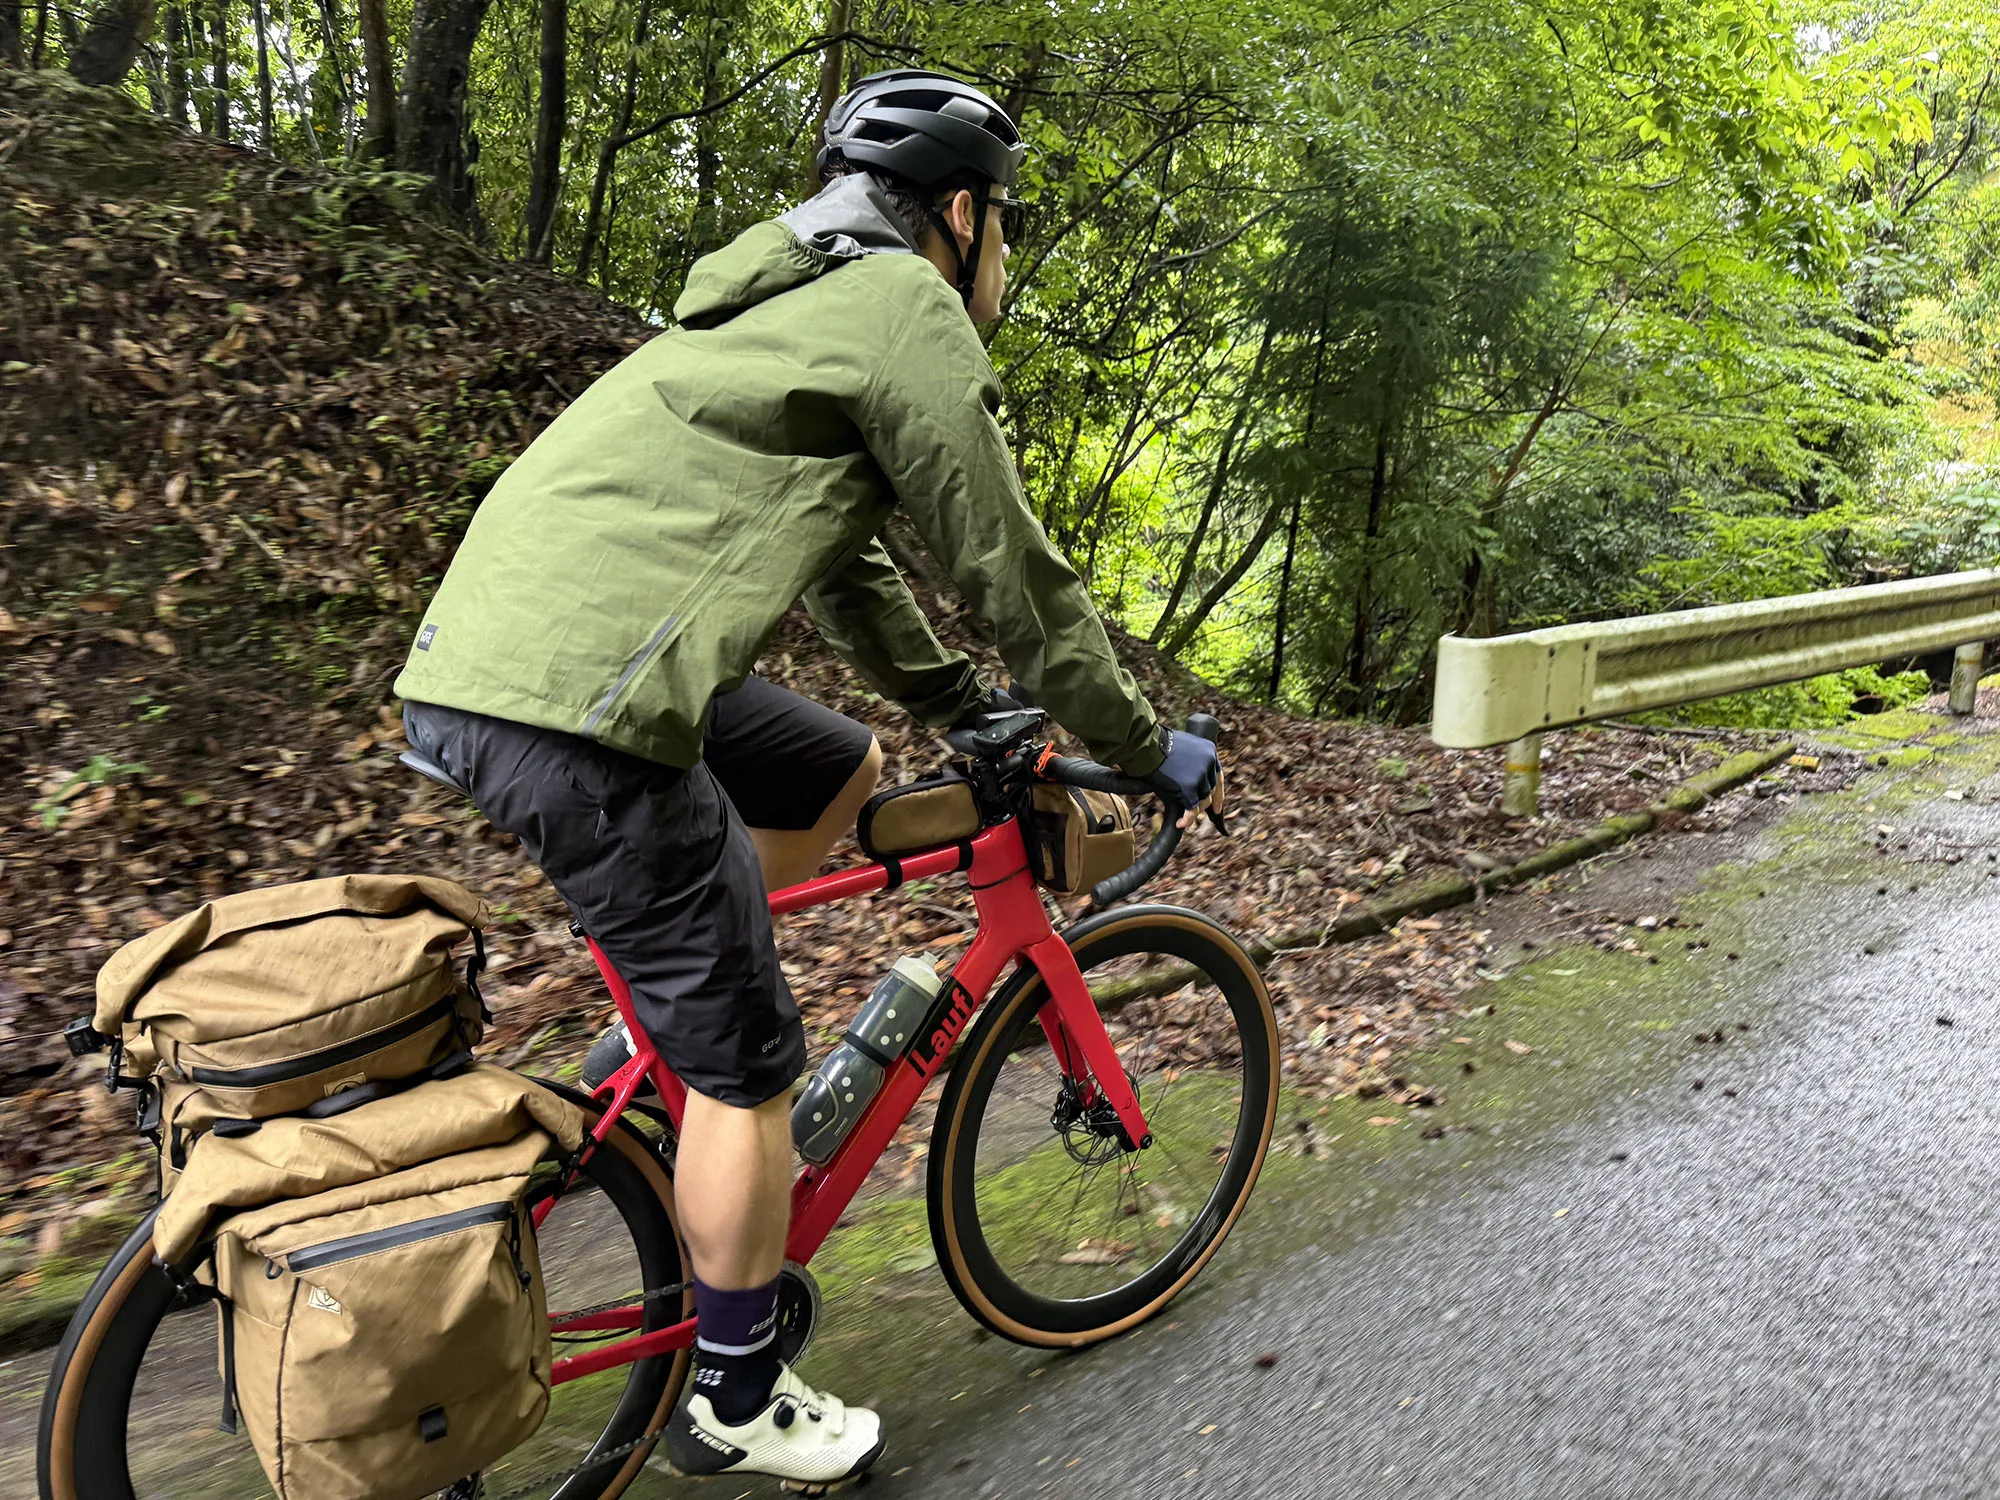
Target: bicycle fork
[[1082, 1046]]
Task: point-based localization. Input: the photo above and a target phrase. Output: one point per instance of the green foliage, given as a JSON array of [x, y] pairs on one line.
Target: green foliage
[[1341, 325], [97, 771], [1816, 703]]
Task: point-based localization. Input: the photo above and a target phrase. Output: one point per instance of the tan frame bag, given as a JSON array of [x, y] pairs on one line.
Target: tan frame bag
[[1076, 837]]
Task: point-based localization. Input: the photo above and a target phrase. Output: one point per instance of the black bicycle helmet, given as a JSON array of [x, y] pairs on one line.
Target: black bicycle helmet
[[923, 129]]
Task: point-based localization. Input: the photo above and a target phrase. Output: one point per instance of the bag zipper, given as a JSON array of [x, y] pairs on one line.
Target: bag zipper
[[262, 1074], [395, 1236]]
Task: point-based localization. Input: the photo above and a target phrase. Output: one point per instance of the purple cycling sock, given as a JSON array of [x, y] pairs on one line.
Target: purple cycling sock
[[736, 1348]]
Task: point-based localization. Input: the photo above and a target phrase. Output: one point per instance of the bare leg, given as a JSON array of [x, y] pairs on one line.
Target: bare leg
[[792, 855], [733, 1174], [733, 1185]]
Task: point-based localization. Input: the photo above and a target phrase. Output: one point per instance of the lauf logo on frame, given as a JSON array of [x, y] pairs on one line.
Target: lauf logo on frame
[[946, 1020]]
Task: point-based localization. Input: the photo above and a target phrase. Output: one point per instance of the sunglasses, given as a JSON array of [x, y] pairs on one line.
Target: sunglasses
[[1013, 216]]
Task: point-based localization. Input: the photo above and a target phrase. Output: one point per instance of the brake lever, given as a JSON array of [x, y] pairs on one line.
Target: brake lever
[[1216, 820]]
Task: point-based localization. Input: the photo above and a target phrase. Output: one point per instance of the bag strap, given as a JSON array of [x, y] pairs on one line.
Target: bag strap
[[230, 1127], [894, 865], [226, 1311], [384, 1088], [474, 967]]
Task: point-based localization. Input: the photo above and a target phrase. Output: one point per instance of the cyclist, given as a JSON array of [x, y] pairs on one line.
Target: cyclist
[[585, 669]]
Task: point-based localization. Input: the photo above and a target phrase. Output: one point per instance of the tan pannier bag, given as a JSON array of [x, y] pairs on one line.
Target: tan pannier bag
[[384, 1325], [269, 1001], [1076, 838], [922, 814]]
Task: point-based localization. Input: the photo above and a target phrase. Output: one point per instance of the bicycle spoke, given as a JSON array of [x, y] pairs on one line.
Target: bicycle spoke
[[1050, 1215], [175, 1451]]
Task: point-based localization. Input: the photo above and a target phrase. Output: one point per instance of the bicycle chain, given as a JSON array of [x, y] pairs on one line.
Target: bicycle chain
[[557, 1323]]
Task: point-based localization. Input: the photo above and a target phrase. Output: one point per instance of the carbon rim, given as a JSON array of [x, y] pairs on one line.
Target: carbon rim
[[1007, 1190], [92, 1430]]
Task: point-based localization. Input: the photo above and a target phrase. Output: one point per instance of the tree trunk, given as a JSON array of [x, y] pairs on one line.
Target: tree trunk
[[10, 34], [831, 64], [218, 69], [378, 140], [110, 43], [41, 33], [551, 119], [196, 36], [159, 94], [1364, 602], [1217, 483], [177, 63], [1284, 603], [1479, 597], [430, 111], [333, 41], [1219, 590], [264, 121], [607, 154], [305, 104]]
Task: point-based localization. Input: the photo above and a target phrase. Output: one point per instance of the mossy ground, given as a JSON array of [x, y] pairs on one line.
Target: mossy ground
[[1541, 1048]]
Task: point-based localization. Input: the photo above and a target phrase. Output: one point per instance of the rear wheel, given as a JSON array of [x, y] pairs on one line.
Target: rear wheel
[[130, 1409], [1048, 1229]]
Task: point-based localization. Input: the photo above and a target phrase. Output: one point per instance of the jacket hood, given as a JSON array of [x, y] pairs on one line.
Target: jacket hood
[[847, 219]]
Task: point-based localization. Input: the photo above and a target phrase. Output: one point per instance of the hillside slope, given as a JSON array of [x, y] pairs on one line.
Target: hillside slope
[[245, 410]]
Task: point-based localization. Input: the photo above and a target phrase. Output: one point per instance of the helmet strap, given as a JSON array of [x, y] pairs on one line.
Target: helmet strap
[[967, 259]]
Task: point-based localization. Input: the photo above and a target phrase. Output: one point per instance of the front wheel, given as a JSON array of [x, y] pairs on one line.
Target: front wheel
[[1048, 1229]]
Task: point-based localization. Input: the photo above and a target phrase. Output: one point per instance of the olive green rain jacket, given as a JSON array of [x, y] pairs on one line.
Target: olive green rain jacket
[[636, 558]]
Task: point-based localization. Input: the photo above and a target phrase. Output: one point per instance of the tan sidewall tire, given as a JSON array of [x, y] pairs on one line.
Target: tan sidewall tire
[[945, 1137], [59, 1479], [632, 1146]]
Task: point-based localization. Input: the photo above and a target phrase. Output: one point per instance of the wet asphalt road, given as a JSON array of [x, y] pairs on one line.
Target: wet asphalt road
[[1602, 1281], [1788, 1292]]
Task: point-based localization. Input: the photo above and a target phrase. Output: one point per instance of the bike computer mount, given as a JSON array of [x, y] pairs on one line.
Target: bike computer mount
[[1001, 733]]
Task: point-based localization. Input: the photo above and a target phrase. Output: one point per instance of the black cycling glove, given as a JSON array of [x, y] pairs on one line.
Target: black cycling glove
[[1191, 767]]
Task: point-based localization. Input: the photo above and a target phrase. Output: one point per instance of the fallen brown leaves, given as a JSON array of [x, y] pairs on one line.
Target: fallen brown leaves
[[262, 405]]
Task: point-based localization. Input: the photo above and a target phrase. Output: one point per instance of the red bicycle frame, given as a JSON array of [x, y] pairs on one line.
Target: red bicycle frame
[[1013, 928]]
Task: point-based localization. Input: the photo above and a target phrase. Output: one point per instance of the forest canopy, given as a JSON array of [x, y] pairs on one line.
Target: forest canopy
[[1336, 325]]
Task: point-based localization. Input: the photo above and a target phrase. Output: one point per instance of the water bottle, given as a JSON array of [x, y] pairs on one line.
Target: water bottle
[[847, 1081]]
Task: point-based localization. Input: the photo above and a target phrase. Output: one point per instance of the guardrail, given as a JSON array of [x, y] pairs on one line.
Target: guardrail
[[1512, 689]]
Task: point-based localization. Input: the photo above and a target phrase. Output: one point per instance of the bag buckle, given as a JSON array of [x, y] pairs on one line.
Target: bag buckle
[[83, 1038]]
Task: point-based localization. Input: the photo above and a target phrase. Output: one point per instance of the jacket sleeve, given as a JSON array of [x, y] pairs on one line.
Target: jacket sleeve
[[865, 611], [930, 419]]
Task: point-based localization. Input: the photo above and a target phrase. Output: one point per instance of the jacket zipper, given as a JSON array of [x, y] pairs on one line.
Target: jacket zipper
[[395, 1236], [329, 1057]]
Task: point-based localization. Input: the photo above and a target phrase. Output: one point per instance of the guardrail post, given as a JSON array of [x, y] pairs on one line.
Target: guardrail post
[[1521, 793], [1965, 668]]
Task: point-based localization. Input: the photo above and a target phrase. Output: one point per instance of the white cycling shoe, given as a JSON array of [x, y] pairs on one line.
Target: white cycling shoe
[[807, 1438]]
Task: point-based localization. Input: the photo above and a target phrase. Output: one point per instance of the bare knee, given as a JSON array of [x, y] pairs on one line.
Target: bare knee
[[862, 784]]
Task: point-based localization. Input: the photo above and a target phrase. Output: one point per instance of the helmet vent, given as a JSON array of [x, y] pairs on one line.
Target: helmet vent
[[879, 130]]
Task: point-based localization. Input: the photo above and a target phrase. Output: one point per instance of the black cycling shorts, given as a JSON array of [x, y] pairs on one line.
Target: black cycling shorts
[[781, 758], [657, 865]]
